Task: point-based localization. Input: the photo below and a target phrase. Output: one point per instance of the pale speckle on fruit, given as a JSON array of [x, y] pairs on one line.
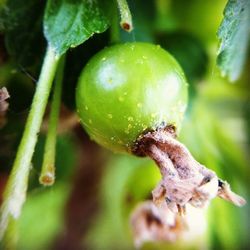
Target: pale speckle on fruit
[[173, 109], [90, 121], [127, 131], [130, 126], [139, 105], [121, 99], [130, 118], [181, 107], [139, 61], [110, 116], [120, 142], [144, 126], [104, 59], [86, 108]]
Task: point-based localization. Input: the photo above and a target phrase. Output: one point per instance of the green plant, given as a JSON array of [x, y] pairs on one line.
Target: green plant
[[130, 97]]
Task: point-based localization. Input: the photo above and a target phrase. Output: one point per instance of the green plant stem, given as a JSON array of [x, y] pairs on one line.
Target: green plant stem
[[126, 18], [114, 27], [16, 187], [47, 176], [11, 236]]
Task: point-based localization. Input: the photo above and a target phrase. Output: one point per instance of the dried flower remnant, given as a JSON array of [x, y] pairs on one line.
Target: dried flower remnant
[[184, 180], [150, 223], [4, 95]]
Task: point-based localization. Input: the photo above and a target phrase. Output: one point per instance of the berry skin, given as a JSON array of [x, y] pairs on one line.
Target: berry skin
[[127, 89]]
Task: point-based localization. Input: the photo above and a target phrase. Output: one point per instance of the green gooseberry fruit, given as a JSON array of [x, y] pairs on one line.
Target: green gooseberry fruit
[[131, 98], [127, 89]]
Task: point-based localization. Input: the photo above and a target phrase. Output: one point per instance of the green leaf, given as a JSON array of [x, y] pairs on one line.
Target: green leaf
[[234, 37], [68, 23], [45, 207], [21, 23], [188, 50]]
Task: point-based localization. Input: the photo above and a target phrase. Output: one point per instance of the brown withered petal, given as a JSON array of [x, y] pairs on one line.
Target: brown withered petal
[[4, 95], [151, 223], [184, 180]]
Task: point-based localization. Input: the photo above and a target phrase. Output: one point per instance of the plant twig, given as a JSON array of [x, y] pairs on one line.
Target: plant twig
[[47, 176], [126, 18], [16, 187]]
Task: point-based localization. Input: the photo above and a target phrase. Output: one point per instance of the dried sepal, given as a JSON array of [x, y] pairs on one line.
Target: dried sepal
[[184, 180], [4, 95], [151, 223], [226, 193]]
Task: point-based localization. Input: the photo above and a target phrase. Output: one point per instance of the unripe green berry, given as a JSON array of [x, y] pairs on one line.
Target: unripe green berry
[[127, 89]]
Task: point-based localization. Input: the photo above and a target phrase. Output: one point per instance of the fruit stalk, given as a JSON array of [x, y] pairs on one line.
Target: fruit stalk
[[114, 28], [16, 187], [126, 19], [47, 176]]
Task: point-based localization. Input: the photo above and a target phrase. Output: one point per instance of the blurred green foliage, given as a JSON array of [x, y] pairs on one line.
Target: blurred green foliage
[[43, 216]]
